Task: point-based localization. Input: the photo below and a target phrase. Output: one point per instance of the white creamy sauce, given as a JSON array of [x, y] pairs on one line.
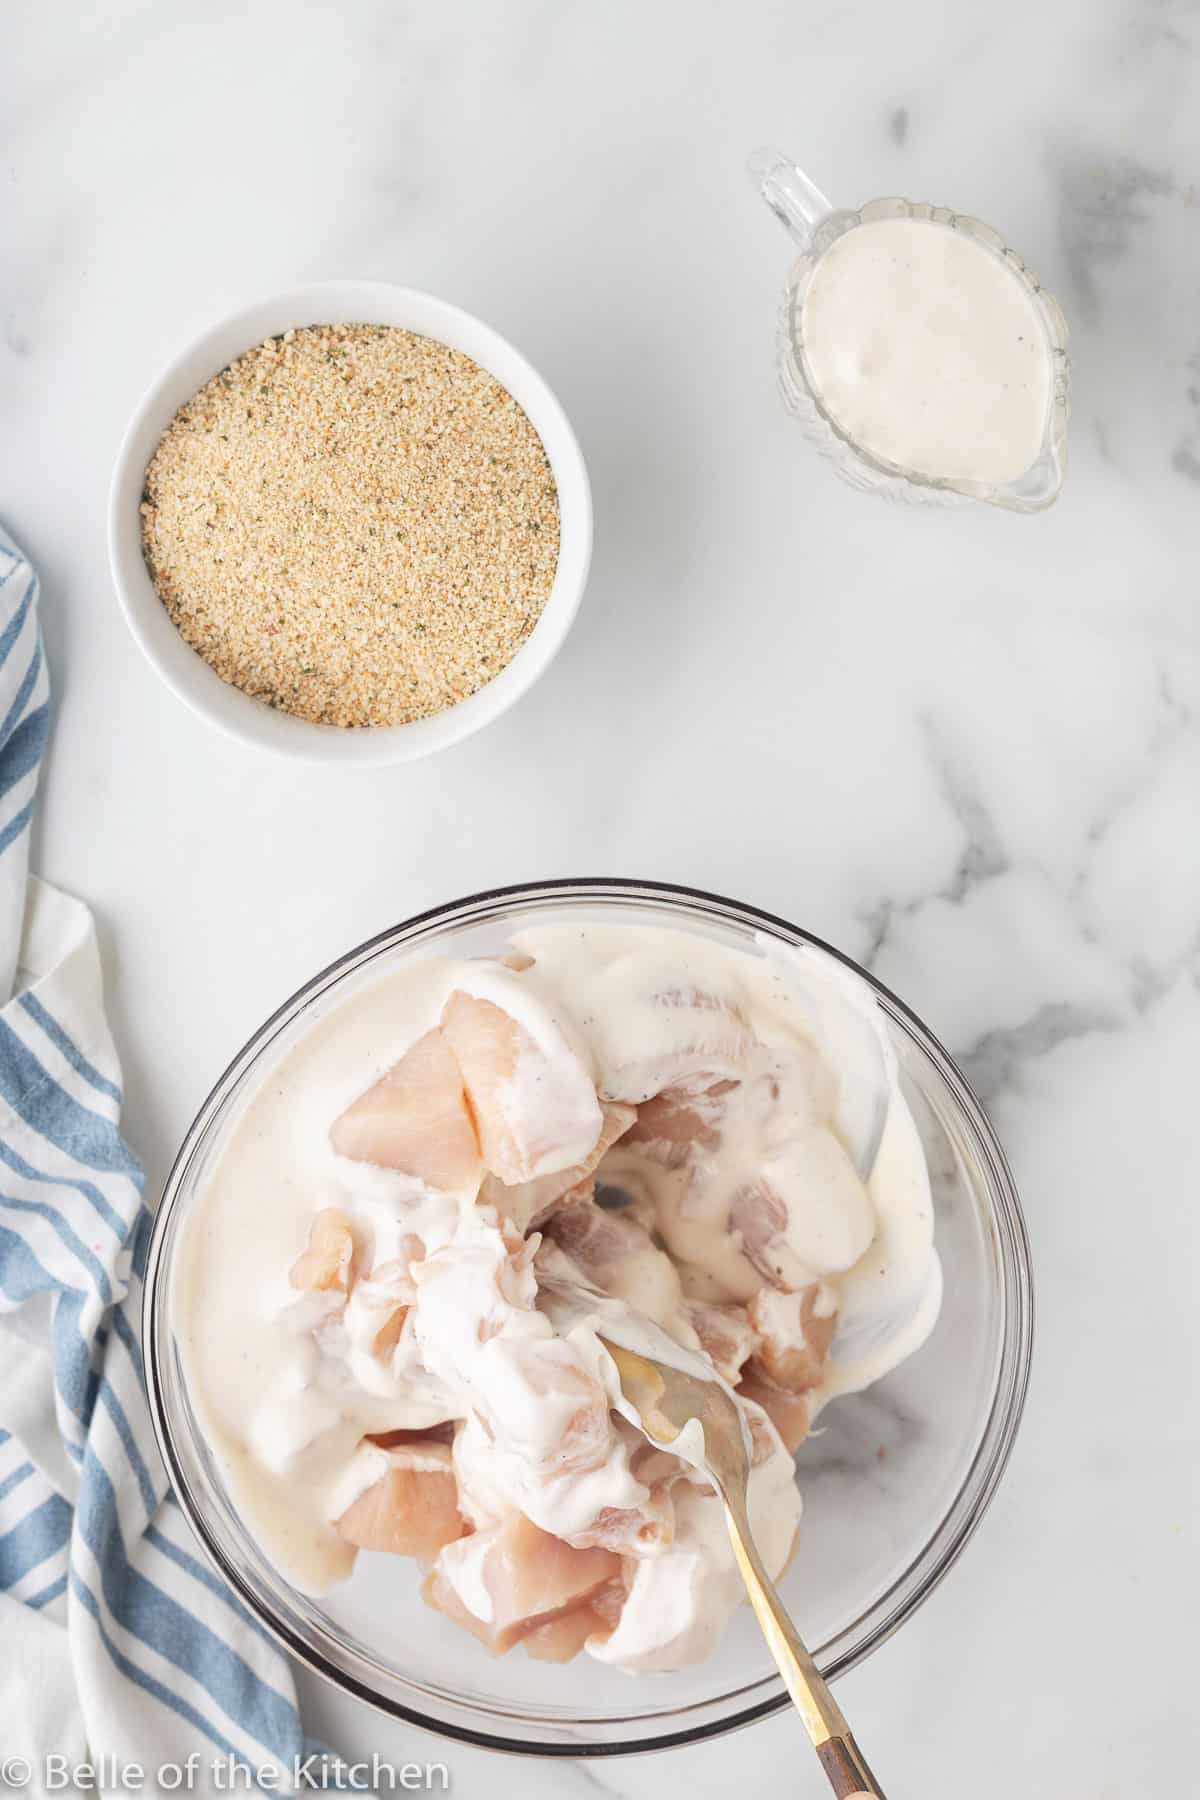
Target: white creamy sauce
[[927, 351], [253, 1372], [287, 1385]]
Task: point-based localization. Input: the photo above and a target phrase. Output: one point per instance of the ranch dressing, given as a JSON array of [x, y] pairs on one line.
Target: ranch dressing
[[927, 351]]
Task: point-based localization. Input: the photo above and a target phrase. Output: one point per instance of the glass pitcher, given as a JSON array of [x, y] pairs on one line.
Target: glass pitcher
[[814, 225]]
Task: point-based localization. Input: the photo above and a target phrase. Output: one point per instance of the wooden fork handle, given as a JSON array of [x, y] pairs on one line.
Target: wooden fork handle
[[846, 1769], [843, 1762]]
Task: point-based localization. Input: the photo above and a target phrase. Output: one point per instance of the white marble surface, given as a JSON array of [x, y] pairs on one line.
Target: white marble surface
[[963, 746]]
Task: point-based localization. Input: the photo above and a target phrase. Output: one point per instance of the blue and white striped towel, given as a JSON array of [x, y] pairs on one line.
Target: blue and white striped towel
[[116, 1641]]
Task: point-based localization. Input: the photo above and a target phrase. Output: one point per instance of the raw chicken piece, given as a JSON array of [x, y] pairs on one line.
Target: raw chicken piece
[[552, 1265], [327, 1264], [780, 1092], [530, 1203], [629, 1528], [788, 1413], [532, 1099], [594, 1239], [553, 1379], [656, 1027], [747, 1180], [416, 1119], [507, 1581], [726, 1335], [537, 1418], [388, 1335], [618, 1255], [795, 1332], [393, 1278], [673, 1126], [805, 1213], [764, 1435], [608, 1601], [412, 1509], [759, 1219], [514, 960], [383, 1296], [495, 1482], [650, 1523], [786, 1092], [680, 1599], [692, 1216], [405, 1436], [786, 1223], [560, 1639]]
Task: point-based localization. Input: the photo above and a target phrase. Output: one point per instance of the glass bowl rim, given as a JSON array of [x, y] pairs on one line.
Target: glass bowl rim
[[908, 1589]]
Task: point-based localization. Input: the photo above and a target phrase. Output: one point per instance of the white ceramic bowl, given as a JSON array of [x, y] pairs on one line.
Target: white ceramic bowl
[[189, 676]]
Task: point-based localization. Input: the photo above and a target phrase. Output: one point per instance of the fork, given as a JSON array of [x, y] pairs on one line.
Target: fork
[[675, 1406]]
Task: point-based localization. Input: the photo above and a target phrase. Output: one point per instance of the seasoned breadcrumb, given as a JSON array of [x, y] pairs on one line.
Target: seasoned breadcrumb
[[353, 524]]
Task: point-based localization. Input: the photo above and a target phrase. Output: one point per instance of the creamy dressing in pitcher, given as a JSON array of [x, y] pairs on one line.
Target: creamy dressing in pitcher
[[927, 351]]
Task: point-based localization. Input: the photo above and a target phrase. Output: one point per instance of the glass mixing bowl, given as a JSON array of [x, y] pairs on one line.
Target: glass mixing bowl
[[895, 1480]]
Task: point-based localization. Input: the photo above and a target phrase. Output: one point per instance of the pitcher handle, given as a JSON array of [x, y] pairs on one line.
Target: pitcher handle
[[796, 201]]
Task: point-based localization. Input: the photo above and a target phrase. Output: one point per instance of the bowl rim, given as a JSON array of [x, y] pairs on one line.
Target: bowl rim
[[249, 721], [964, 1513]]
